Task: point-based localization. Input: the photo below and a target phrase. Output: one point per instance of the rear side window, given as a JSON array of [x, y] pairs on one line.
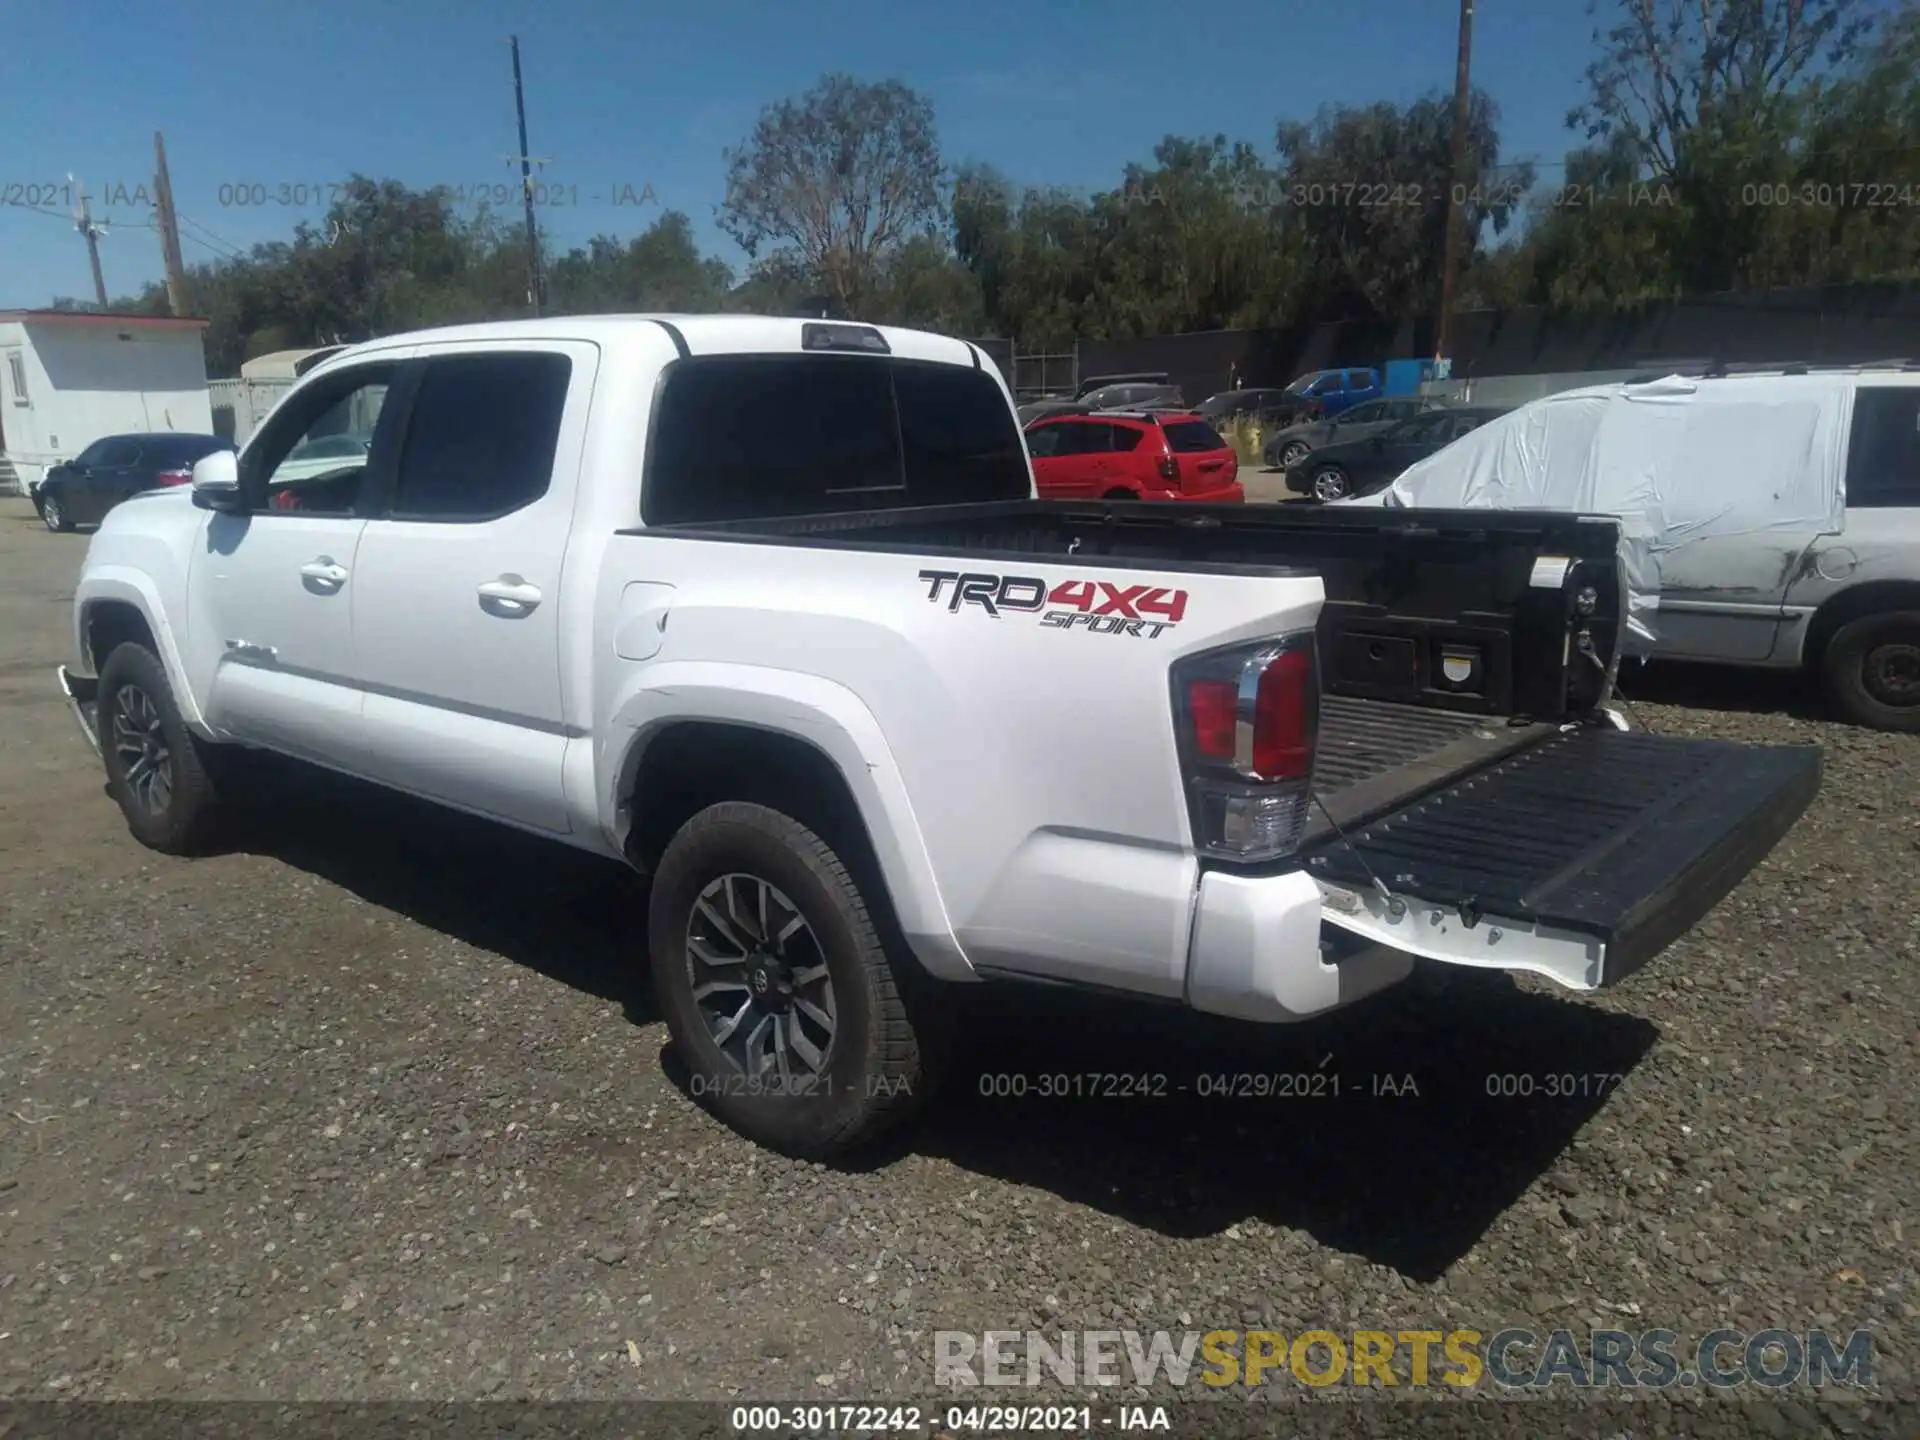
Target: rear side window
[[1189, 437], [1125, 437], [740, 437], [1883, 454], [481, 436]]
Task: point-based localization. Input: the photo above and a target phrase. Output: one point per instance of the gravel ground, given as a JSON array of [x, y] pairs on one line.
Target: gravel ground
[[374, 1107]]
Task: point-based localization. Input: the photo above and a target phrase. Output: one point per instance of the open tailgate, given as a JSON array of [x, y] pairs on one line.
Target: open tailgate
[[1580, 858]]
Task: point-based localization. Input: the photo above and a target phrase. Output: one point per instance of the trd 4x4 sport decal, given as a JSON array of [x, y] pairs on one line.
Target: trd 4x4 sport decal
[[1100, 607]]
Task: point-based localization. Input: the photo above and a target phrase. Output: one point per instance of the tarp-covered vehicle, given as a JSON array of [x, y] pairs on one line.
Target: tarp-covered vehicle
[[1768, 520]]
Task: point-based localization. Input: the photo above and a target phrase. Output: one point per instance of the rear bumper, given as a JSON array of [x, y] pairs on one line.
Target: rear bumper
[[1259, 952], [81, 692]]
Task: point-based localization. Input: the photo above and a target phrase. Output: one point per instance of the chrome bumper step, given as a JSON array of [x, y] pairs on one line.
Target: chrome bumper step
[[82, 692]]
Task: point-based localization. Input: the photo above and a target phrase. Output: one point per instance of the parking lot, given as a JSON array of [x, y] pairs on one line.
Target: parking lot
[[374, 1106]]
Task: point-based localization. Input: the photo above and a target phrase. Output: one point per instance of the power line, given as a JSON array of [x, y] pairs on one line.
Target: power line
[[36, 209], [236, 253]]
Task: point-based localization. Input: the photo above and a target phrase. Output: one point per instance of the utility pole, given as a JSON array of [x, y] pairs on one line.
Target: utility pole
[[169, 230], [526, 183], [84, 223], [1457, 184]]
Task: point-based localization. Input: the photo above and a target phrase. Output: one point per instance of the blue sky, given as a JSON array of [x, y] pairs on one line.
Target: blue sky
[[255, 97]]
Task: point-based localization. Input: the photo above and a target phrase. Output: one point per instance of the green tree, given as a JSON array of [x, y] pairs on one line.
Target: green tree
[[835, 181], [1366, 190], [660, 269]]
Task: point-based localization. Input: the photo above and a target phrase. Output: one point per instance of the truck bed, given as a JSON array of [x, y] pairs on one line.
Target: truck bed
[[1478, 793], [1403, 594]]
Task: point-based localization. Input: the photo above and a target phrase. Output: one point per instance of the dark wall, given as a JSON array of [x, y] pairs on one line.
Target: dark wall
[[1840, 325]]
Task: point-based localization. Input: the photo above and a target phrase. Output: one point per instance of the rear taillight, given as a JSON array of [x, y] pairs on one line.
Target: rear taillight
[[1170, 469], [175, 477], [1247, 718]]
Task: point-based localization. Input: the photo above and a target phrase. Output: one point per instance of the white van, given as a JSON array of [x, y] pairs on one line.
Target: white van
[[1773, 519]]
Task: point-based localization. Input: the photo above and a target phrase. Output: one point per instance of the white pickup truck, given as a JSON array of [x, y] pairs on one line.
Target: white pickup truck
[[766, 608]]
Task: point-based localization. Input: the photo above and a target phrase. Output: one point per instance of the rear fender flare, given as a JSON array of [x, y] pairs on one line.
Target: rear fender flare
[[821, 713]]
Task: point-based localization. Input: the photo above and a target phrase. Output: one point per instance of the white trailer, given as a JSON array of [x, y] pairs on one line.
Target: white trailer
[[69, 377]]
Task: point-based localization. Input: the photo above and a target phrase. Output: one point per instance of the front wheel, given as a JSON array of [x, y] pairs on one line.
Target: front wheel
[[157, 771], [1292, 453], [1871, 671], [1330, 482], [54, 515], [767, 963]]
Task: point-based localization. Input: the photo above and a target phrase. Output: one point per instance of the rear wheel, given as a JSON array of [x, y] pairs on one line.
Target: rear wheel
[[1330, 482], [53, 513], [1871, 670], [157, 771], [1119, 495], [768, 965]]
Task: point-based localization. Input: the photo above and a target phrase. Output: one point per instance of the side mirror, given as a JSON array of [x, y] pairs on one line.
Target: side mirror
[[216, 482]]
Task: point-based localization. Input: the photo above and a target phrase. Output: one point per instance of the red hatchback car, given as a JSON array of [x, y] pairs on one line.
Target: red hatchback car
[[1132, 455]]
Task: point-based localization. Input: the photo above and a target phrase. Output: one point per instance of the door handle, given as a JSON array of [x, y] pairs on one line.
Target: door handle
[[509, 596], [325, 571]]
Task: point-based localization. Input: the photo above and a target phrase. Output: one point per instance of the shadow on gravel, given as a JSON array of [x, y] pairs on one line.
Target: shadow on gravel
[[1722, 687], [563, 913], [1396, 1130]]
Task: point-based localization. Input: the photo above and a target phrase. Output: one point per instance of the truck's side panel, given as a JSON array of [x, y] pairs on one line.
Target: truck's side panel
[[1028, 709]]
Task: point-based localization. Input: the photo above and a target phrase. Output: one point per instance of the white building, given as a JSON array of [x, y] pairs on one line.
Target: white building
[[68, 377]]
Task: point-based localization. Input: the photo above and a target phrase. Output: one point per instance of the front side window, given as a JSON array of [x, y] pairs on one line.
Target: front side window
[[1418, 430], [312, 459], [1043, 441]]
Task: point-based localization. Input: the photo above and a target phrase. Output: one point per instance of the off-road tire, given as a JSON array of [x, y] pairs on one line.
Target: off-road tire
[[190, 818], [880, 1067]]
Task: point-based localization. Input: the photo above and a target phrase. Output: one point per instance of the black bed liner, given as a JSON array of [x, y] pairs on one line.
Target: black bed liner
[[1626, 837], [1373, 756]]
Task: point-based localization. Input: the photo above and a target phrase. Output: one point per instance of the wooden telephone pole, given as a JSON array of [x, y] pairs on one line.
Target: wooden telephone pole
[[169, 230], [83, 221], [1456, 183], [535, 284]]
